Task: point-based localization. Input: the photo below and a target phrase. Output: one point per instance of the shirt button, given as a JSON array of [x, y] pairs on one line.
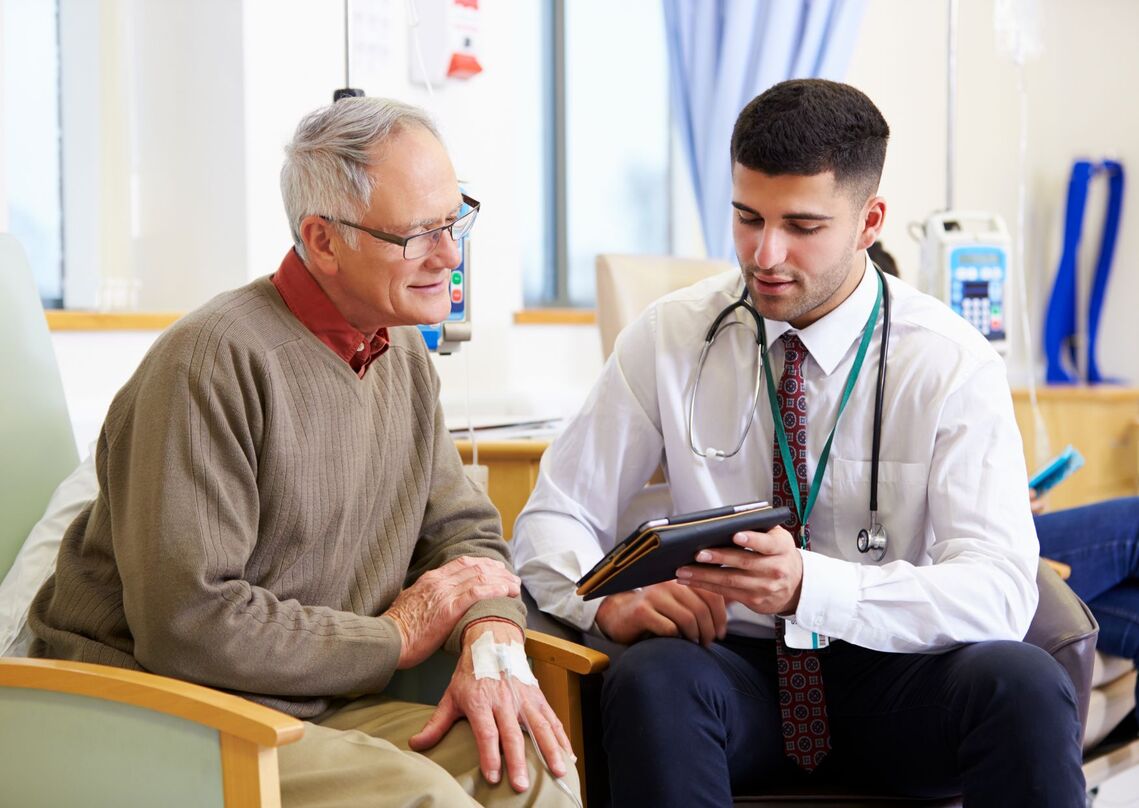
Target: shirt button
[[359, 347]]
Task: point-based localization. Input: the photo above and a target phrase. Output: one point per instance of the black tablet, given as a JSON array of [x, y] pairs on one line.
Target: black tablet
[[653, 552]]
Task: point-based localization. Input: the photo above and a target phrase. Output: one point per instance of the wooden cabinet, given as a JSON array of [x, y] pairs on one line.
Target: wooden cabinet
[[1102, 423]]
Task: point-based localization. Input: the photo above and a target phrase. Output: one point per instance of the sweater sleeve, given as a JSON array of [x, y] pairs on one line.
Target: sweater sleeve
[[181, 474], [460, 520]]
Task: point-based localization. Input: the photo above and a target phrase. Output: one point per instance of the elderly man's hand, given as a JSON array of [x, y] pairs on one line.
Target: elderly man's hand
[[495, 716], [428, 610]]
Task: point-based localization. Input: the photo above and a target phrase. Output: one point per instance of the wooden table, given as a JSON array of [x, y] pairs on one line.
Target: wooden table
[[1102, 422]]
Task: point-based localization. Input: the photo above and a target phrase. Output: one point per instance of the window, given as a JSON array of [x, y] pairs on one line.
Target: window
[[607, 181], [31, 138]]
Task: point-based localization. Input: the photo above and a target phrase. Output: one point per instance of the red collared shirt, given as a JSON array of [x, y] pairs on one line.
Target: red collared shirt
[[308, 302]]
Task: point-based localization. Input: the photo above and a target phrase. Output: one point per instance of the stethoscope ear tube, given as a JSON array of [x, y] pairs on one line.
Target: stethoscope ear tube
[[738, 304], [873, 539], [709, 338], [876, 440]]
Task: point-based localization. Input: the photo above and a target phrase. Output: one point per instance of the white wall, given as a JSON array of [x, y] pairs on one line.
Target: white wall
[[153, 152], [3, 194], [288, 59]]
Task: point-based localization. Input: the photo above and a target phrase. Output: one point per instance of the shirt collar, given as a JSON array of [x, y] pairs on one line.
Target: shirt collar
[[309, 303], [829, 338]]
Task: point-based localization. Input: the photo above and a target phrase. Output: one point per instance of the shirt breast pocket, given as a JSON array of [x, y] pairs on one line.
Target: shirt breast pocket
[[901, 507]]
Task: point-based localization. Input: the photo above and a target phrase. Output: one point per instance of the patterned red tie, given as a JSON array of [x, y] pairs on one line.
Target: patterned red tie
[[802, 703]]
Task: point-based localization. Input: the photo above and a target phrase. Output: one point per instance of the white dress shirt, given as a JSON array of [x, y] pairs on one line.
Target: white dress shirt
[[960, 564]]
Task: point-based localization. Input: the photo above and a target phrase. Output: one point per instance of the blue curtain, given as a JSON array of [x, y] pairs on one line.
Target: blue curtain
[[723, 53]]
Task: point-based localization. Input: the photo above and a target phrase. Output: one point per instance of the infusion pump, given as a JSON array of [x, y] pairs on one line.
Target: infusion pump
[[965, 262], [445, 337]]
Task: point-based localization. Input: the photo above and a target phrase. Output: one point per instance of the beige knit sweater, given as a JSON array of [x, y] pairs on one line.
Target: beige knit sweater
[[259, 505]]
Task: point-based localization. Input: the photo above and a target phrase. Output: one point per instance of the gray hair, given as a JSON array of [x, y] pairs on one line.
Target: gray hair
[[326, 163]]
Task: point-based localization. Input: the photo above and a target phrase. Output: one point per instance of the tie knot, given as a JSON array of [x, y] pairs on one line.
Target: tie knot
[[794, 351]]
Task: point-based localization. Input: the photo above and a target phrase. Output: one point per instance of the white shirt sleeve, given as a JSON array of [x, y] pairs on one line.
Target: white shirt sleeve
[[590, 473], [980, 583]]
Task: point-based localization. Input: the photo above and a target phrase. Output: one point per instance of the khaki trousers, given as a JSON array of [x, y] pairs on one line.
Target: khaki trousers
[[359, 757]]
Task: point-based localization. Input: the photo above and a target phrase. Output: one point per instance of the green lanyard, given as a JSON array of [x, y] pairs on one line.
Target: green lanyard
[[781, 434]]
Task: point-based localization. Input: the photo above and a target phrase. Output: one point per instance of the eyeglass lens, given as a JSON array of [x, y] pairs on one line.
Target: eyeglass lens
[[424, 243]]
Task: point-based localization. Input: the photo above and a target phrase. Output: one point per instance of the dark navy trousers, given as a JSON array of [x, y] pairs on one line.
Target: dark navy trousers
[[996, 721]]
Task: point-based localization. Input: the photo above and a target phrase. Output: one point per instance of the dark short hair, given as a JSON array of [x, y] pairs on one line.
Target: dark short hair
[[880, 256], [810, 126]]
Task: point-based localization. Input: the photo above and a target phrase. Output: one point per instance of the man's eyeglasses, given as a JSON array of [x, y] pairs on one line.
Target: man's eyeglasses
[[422, 244]]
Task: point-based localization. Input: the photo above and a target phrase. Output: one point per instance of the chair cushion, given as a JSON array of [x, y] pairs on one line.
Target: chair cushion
[[1108, 668], [1109, 704], [36, 559]]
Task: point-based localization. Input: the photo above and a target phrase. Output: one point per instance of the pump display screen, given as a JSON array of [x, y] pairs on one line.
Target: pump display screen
[[979, 258], [976, 288]]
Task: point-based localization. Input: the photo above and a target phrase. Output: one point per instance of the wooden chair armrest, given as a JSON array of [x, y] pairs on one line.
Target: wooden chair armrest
[[228, 714], [564, 654], [559, 666]]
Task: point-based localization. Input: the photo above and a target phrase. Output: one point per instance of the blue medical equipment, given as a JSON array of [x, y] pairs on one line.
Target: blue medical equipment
[[445, 337], [1061, 326], [965, 262]]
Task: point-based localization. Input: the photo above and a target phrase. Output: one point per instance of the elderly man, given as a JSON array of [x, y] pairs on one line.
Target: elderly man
[[281, 512]]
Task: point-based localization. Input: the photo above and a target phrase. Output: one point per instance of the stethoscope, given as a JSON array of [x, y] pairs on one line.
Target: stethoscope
[[871, 539]]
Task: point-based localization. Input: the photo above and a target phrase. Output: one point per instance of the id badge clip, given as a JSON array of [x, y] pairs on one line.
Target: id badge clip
[[795, 636]]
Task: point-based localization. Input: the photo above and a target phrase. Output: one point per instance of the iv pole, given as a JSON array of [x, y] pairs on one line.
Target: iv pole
[[951, 106], [347, 91]]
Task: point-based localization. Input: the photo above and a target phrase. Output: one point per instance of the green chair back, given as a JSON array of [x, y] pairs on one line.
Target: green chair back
[[64, 749], [426, 682], [37, 445]]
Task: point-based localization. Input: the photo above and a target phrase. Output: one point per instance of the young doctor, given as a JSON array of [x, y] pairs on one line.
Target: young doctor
[[795, 656]]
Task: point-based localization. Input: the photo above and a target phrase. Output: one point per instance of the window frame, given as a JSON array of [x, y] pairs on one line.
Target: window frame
[[554, 287]]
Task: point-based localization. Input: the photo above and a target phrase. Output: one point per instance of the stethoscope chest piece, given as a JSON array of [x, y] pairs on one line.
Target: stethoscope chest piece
[[872, 540]]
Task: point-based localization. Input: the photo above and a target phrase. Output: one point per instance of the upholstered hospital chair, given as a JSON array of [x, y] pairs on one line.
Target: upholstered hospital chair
[[80, 734], [1063, 625], [627, 284]]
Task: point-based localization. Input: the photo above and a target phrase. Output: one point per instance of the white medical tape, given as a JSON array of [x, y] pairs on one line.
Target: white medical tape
[[493, 658]]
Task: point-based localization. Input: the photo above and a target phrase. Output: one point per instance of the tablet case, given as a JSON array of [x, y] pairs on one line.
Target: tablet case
[[653, 552]]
